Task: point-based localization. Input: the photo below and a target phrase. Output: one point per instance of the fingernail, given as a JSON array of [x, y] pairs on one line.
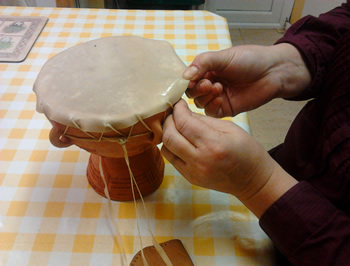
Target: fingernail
[[190, 72]]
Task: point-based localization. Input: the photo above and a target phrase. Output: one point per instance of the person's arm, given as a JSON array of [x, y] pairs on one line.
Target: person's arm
[[310, 223], [307, 228], [216, 154], [242, 78], [316, 39], [220, 155]]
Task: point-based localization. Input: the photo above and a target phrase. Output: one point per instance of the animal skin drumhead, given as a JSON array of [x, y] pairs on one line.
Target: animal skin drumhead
[[113, 81]]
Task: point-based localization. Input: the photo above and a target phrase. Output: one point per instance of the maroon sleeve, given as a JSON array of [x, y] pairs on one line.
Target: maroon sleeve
[[316, 39], [307, 228], [310, 223]]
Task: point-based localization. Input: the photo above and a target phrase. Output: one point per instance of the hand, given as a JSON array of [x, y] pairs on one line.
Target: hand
[[242, 78], [219, 155], [213, 153]]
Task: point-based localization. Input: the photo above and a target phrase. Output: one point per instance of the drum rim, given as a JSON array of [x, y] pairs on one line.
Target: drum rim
[[96, 124]]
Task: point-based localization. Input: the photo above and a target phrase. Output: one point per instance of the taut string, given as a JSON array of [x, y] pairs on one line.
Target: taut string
[[160, 250], [122, 140], [110, 215]]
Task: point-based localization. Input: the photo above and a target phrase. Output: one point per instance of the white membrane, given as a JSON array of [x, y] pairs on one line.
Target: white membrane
[[111, 81]]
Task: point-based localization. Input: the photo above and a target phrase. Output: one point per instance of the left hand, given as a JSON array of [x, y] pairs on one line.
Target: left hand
[[242, 78], [215, 154]]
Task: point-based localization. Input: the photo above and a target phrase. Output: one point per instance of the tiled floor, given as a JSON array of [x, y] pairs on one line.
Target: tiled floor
[[269, 123]]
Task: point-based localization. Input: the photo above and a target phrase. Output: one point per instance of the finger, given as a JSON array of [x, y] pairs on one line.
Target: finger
[[175, 142], [189, 126], [207, 76], [214, 91], [221, 105], [179, 164], [214, 108], [203, 87], [203, 63], [223, 126], [202, 101]]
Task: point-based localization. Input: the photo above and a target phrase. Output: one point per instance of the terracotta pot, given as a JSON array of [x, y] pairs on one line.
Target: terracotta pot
[[146, 162], [105, 86], [147, 168]]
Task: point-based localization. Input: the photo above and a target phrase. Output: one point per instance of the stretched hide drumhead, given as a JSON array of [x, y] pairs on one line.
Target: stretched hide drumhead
[[113, 81]]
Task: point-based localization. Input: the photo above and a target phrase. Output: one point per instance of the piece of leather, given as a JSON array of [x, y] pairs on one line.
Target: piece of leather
[[173, 248]]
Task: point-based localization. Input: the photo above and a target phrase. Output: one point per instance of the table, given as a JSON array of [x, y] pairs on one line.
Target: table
[[48, 213]]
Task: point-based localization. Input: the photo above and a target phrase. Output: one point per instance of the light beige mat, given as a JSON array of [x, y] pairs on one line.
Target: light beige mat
[[17, 36]]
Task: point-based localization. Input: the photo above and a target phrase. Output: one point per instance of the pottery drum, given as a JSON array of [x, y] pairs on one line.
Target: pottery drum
[[110, 97]]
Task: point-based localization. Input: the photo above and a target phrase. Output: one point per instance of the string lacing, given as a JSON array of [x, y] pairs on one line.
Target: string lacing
[[122, 139]]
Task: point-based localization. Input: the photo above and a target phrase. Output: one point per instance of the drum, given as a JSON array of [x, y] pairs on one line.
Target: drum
[[110, 97]]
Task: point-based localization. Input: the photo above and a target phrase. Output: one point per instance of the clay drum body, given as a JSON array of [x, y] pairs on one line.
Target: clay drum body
[[110, 97]]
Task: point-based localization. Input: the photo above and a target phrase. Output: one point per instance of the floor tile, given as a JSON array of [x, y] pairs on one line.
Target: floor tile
[[260, 36], [236, 37]]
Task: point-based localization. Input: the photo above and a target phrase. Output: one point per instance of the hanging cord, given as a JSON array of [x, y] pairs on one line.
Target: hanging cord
[[116, 231], [122, 141], [160, 250]]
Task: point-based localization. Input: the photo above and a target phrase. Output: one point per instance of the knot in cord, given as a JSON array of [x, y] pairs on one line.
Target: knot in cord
[[122, 141]]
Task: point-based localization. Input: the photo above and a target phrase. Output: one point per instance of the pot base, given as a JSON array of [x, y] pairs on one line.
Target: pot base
[[147, 168]]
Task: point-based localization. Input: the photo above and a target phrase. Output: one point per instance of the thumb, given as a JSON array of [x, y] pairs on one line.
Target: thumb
[[206, 62], [190, 125]]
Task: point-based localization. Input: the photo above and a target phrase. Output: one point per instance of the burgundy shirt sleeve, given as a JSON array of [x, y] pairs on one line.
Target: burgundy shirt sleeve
[[310, 223], [316, 38], [307, 228]]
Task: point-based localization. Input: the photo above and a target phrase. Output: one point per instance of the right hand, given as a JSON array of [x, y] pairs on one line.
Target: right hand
[[242, 78], [220, 155]]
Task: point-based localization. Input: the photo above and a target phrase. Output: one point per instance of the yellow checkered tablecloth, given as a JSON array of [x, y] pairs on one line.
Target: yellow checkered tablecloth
[[48, 213]]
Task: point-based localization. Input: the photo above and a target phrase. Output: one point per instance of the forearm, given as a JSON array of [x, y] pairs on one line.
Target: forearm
[[316, 39], [291, 70], [307, 228], [274, 188]]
